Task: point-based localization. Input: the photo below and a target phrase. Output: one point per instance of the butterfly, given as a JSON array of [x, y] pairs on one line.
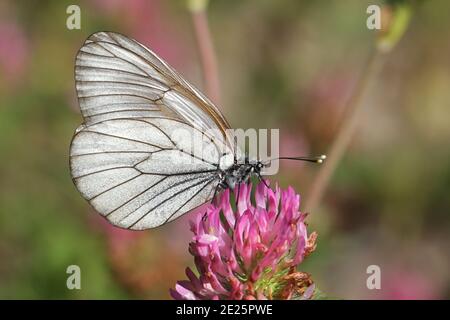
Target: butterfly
[[123, 158]]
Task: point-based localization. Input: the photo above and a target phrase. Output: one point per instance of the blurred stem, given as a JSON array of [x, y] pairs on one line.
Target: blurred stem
[[206, 50], [346, 131], [395, 26]]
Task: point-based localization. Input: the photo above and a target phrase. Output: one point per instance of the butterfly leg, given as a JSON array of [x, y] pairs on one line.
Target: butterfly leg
[[262, 180], [216, 190], [238, 193]]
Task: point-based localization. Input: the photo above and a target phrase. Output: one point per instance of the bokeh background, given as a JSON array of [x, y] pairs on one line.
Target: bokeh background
[[283, 64]]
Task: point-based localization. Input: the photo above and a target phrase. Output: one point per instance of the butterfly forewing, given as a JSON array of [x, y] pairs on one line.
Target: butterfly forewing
[[125, 158]]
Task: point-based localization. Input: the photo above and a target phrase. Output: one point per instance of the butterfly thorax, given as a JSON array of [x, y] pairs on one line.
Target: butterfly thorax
[[239, 173]]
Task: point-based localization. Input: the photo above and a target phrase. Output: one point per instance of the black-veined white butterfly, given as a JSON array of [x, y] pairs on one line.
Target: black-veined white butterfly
[[123, 159]]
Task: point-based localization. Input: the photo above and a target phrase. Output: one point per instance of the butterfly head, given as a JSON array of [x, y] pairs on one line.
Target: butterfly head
[[242, 171]]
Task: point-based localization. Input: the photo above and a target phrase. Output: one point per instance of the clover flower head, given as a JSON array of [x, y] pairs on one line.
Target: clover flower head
[[252, 251]]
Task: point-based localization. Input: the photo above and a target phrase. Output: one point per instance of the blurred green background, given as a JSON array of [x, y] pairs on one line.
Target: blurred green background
[[283, 64]]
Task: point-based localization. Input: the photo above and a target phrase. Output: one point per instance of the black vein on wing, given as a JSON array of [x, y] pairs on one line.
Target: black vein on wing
[[135, 196], [140, 174], [151, 198], [208, 180], [123, 138], [155, 105], [164, 191], [138, 57], [190, 125], [150, 63], [113, 152], [142, 84], [103, 170], [189, 200], [185, 87], [83, 67], [177, 148], [113, 187], [121, 94], [145, 113]]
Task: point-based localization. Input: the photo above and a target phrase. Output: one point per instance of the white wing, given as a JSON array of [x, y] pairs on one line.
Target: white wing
[[124, 159]]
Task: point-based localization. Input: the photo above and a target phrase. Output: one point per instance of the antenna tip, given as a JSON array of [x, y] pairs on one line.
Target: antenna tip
[[323, 157], [319, 160]]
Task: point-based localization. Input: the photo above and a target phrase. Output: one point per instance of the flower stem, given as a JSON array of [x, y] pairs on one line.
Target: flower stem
[[397, 22], [207, 53], [346, 131]]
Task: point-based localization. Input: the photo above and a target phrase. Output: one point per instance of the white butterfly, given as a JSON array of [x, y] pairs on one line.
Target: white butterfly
[[123, 159]]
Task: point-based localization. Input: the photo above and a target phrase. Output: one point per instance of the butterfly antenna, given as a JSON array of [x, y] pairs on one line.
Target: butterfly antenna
[[318, 159]]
